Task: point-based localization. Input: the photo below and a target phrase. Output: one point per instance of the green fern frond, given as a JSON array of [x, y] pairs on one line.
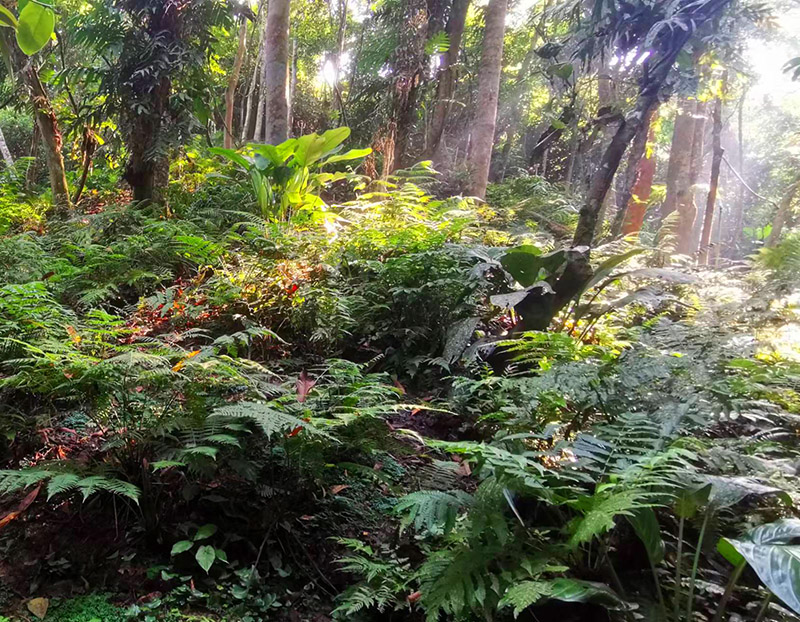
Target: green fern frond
[[432, 510]]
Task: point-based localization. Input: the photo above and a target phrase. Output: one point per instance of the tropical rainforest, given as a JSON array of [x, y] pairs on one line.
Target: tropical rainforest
[[425, 310]]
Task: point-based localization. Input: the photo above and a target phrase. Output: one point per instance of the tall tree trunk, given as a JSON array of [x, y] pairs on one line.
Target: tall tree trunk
[[409, 57], [144, 169], [640, 195], [5, 152], [233, 82], [485, 117], [51, 137], [258, 130], [252, 94], [738, 210], [276, 63], [679, 156], [716, 163], [448, 73], [779, 220], [687, 207], [638, 179]]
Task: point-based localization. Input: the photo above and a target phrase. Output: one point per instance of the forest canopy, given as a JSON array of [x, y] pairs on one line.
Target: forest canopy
[[436, 310]]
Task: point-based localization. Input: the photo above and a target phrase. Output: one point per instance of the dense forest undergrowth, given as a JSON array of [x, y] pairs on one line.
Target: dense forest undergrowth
[[211, 415], [426, 310]]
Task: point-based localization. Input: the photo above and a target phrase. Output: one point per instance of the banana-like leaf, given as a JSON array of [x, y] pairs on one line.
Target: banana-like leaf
[[770, 553]]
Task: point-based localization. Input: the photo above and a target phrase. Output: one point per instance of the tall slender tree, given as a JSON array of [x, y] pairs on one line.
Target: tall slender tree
[[485, 116], [233, 81], [716, 164]]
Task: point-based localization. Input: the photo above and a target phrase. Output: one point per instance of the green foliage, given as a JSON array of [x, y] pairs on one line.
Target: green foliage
[[286, 179], [86, 609]]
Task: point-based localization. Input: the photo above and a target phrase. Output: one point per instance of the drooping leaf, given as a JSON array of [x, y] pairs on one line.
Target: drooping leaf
[[690, 499], [205, 556], [576, 591], [181, 547], [353, 154], [206, 531], [232, 155], [769, 551], [35, 27]]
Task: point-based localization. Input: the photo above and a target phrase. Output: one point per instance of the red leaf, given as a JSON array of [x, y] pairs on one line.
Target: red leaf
[[304, 385], [335, 490], [412, 598], [294, 432]]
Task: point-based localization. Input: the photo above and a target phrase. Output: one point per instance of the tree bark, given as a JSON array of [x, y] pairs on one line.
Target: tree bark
[[5, 152], [687, 207], [780, 216], [51, 137], [258, 130], [253, 93], [638, 179], [88, 146], [144, 131], [233, 81], [738, 210], [640, 194], [409, 59], [489, 71], [716, 163], [276, 62], [32, 172], [448, 73], [679, 156]]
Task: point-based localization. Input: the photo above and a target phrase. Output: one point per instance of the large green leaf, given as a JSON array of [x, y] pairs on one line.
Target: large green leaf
[[526, 593], [769, 552], [180, 547], [333, 138], [205, 556], [605, 268], [728, 491], [206, 531], [353, 154], [233, 156], [35, 27], [525, 262], [645, 524]]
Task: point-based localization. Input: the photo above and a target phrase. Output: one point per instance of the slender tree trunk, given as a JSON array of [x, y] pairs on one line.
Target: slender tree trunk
[[738, 210], [637, 184], [233, 82], [488, 92], [88, 146], [252, 93], [5, 152], [144, 170], [258, 130], [779, 220], [32, 172], [716, 163], [51, 137], [448, 74], [276, 62]]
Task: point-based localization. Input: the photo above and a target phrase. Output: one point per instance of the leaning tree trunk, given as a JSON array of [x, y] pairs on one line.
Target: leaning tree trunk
[[448, 73], [233, 81], [716, 164], [5, 152], [779, 220], [276, 61], [483, 125], [738, 210], [51, 137], [637, 181]]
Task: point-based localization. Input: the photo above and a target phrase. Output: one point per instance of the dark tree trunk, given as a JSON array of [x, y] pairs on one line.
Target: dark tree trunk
[[145, 131], [446, 87]]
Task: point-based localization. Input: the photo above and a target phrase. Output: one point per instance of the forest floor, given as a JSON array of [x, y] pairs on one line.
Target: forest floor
[[342, 444]]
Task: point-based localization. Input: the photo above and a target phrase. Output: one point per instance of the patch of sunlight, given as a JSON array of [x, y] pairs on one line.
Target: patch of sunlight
[[783, 341]]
